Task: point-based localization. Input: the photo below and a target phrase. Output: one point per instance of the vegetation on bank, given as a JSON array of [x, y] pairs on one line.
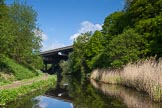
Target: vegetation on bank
[[8, 95], [11, 71], [26, 101], [127, 36], [20, 42], [144, 76], [131, 98], [20, 36], [84, 95]]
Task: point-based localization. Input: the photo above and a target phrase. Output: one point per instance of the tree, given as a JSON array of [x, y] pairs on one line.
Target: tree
[[151, 31], [114, 24], [124, 48], [26, 45], [17, 37], [78, 57], [6, 30], [146, 18], [143, 9], [94, 47], [2, 2]]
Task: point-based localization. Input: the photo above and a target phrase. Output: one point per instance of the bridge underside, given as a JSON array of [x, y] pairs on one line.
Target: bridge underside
[[53, 57], [54, 60]]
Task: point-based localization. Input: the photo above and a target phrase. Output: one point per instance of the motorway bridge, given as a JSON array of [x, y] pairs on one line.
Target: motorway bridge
[[53, 57]]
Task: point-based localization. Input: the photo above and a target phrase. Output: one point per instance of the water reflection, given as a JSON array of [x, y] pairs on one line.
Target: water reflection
[[70, 93], [60, 92], [46, 102], [25, 101], [86, 96], [131, 98]]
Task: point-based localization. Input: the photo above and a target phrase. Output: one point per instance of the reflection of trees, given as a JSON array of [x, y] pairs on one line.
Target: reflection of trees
[[131, 98], [25, 101], [85, 96], [36, 102]]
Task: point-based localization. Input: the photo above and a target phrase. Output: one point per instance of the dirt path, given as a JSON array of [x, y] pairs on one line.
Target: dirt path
[[22, 83]]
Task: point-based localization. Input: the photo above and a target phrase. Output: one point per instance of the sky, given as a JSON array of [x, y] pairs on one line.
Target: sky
[[46, 102], [63, 20]]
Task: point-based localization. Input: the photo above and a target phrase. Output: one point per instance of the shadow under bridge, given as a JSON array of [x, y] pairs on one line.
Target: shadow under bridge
[[53, 57]]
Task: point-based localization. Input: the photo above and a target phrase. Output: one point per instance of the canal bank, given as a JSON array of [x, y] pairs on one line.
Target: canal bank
[[130, 97], [71, 93], [18, 89], [144, 76]]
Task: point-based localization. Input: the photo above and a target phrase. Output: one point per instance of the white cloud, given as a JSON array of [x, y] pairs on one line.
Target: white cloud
[[74, 36], [86, 26]]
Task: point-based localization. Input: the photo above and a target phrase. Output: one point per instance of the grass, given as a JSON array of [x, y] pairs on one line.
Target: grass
[[26, 101], [144, 76], [11, 71], [8, 95]]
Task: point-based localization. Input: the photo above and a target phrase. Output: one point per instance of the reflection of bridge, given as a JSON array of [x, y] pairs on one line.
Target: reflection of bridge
[[60, 93], [54, 56]]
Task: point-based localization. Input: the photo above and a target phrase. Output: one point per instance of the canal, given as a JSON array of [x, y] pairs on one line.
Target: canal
[[74, 93]]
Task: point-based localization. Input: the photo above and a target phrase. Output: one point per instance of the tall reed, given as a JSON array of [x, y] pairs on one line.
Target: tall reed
[[144, 76]]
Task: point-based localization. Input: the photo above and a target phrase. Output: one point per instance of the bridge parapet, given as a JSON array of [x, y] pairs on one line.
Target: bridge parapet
[[65, 50]]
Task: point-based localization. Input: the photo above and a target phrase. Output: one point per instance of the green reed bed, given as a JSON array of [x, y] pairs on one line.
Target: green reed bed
[[9, 95], [144, 76]]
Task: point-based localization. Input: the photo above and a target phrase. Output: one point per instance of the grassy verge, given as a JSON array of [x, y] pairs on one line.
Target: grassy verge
[[11, 71], [144, 76], [9, 95], [27, 101]]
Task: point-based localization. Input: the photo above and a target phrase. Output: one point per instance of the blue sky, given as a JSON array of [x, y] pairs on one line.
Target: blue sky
[[63, 20], [46, 102]]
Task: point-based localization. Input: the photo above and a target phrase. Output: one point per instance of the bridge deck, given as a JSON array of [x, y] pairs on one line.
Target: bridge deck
[[54, 51], [54, 57]]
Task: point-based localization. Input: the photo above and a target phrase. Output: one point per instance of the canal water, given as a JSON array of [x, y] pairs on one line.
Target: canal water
[[74, 93]]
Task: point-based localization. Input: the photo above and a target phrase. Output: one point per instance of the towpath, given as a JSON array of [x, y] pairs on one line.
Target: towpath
[[23, 82]]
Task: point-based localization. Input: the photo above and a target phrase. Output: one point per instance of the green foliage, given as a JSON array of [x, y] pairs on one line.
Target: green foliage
[[124, 48], [18, 39], [25, 101], [114, 24], [78, 57], [11, 67], [6, 37], [94, 47], [126, 36], [86, 96], [25, 44], [9, 95], [65, 67], [151, 31]]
